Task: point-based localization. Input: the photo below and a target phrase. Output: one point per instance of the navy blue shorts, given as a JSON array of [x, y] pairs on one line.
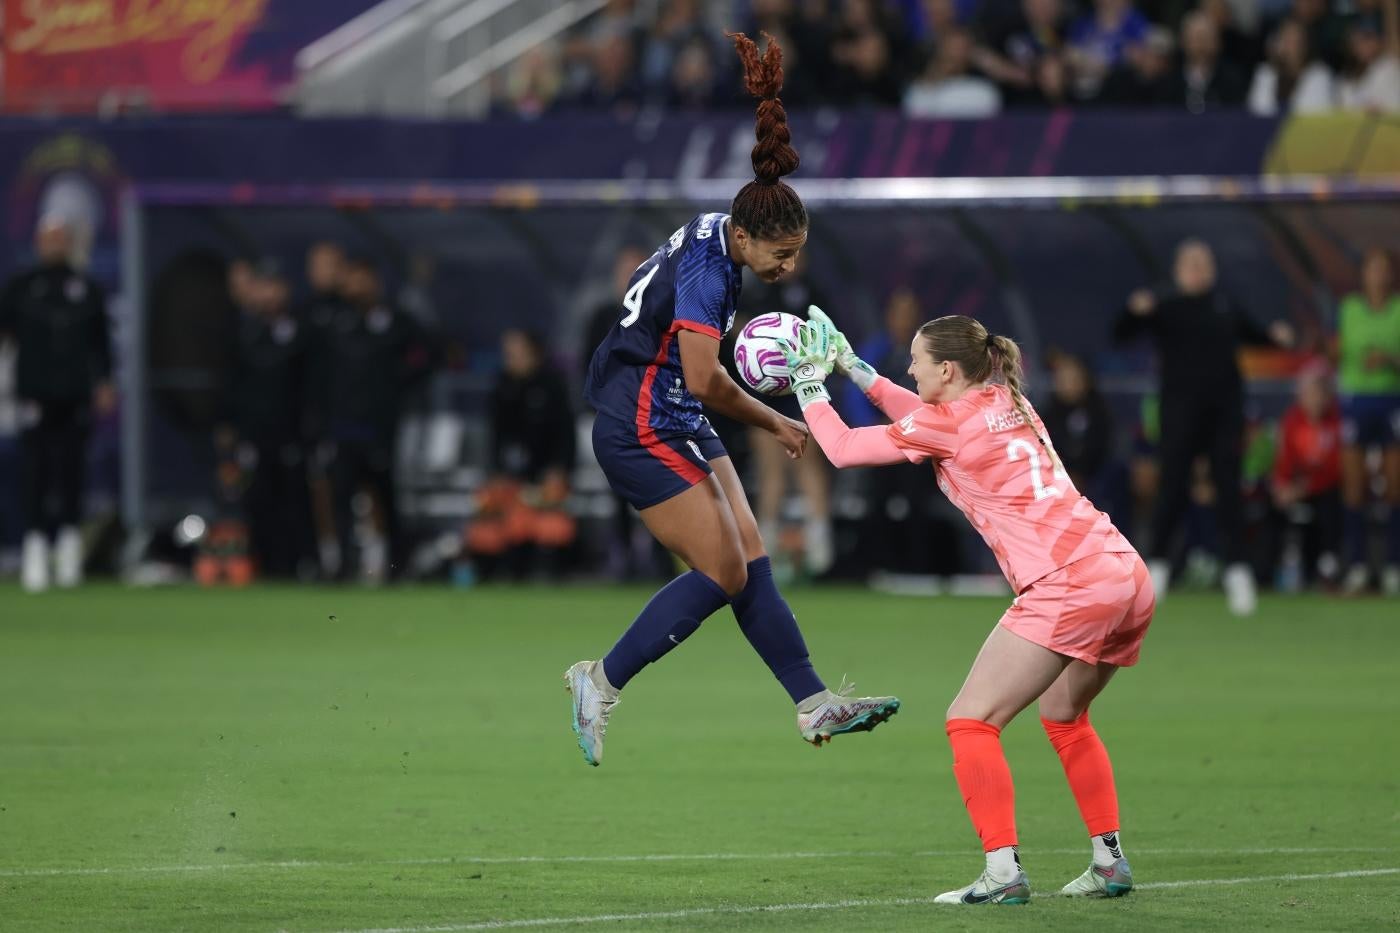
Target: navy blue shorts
[[1371, 420], [662, 468]]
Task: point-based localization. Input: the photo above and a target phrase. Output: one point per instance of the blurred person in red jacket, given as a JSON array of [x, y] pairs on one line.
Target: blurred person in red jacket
[[1308, 474]]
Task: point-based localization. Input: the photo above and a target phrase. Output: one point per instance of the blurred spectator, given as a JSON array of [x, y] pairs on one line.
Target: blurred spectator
[[602, 61], [57, 318], [678, 25], [1372, 77], [1368, 351], [613, 82], [947, 88], [1013, 53], [695, 76], [1052, 82], [369, 359], [1146, 77], [632, 552], [803, 29], [1239, 46], [1198, 331], [1079, 423], [266, 394], [888, 351], [522, 522], [907, 524], [1099, 42], [868, 54], [810, 474], [1204, 81], [1306, 480], [534, 82], [325, 274], [1290, 81], [1326, 31]]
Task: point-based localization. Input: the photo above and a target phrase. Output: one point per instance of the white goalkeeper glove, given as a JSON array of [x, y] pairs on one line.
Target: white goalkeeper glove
[[847, 363], [810, 358]]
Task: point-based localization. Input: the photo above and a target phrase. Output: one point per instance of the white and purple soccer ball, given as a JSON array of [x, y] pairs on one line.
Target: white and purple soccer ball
[[758, 352]]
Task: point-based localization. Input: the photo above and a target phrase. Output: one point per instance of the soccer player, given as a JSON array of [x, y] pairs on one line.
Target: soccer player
[[1368, 353], [1084, 597], [648, 381]]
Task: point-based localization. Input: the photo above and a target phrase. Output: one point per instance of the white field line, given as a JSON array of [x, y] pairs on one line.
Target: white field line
[[61, 872], [830, 905]]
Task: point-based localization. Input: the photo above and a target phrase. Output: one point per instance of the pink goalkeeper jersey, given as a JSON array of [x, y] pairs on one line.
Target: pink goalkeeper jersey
[[990, 464]]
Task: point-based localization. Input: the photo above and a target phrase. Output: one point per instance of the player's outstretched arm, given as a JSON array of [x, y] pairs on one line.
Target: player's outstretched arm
[[810, 362], [706, 379], [894, 400]]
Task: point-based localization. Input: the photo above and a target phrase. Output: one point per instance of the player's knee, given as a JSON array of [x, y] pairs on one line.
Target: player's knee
[[731, 573], [1058, 711]]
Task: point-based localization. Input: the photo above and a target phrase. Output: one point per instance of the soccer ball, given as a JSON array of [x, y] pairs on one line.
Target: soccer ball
[[758, 353]]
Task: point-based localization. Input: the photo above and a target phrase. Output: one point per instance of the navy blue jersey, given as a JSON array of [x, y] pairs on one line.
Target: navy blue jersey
[[690, 283]]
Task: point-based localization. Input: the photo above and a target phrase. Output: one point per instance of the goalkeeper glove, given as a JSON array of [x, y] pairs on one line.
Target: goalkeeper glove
[[810, 358], [847, 363]]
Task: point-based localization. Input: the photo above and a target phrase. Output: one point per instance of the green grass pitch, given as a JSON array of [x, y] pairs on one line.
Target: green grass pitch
[[327, 760]]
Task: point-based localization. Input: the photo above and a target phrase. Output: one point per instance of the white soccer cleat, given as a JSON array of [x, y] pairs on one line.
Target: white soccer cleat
[[34, 563], [839, 713], [987, 891], [1099, 881], [590, 710], [68, 557], [1240, 594], [1161, 573], [1355, 582]]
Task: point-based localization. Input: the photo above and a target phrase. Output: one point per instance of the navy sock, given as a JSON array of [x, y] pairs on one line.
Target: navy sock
[[1392, 536], [769, 625], [672, 616], [1353, 536]]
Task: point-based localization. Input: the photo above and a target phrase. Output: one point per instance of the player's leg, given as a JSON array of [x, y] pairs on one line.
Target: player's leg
[[1064, 713], [1390, 577], [771, 462], [35, 470], [1009, 673], [814, 482], [1225, 455], [771, 628], [1120, 591], [1176, 455], [1354, 497], [697, 525]]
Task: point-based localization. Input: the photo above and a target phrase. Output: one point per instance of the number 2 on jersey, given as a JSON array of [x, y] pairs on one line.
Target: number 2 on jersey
[[1015, 448], [632, 301]]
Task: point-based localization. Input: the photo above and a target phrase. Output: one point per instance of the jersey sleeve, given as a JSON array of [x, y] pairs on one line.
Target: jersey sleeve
[[701, 294], [849, 447], [925, 433]]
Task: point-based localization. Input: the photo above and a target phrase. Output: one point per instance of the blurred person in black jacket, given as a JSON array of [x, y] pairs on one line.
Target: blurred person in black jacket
[[57, 317], [265, 411], [1198, 331], [1079, 422], [365, 363], [523, 519]]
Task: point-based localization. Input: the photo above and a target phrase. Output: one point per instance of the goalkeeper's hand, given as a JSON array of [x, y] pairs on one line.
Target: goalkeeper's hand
[[847, 363], [810, 358]]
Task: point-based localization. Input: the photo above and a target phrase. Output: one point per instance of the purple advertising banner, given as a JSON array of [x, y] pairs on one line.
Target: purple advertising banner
[[88, 162]]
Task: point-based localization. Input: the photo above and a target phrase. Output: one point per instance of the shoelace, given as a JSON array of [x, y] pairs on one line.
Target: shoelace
[[846, 689]]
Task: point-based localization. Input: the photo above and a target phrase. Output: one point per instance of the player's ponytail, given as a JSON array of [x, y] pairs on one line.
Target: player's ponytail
[[983, 357], [767, 207]]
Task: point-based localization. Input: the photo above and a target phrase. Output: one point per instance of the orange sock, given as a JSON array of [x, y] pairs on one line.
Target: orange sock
[[985, 781], [1089, 772]]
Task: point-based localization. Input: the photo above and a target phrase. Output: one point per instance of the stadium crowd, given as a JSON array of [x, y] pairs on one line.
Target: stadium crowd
[[970, 58], [323, 374]]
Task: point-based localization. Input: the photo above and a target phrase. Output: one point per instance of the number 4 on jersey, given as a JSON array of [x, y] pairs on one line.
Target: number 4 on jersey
[[632, 301]]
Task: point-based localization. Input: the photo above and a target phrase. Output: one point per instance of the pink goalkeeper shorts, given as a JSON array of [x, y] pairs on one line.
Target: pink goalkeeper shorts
[[1096, 610]]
